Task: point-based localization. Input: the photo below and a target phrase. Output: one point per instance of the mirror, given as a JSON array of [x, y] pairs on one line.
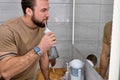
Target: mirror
[[90, 18]]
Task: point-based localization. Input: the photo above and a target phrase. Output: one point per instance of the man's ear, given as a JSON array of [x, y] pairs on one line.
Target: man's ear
[[29, 11]]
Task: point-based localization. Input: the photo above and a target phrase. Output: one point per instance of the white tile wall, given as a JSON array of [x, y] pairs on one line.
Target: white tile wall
[[106, 13], [86, 31], [60, 1], [10, 1], [87, 13], [9, 10], [60, 13], [65, 52], [88, 1], [87, 47], [63, 31], [107, 1]]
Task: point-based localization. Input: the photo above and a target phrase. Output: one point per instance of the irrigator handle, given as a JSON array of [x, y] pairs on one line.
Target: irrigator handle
[[47, 31], [53, 53]]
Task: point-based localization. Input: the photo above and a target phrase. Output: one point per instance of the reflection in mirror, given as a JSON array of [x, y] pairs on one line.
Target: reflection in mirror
[[90, 36]]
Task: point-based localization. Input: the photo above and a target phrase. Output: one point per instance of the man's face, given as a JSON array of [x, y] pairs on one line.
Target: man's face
[[40, 13]]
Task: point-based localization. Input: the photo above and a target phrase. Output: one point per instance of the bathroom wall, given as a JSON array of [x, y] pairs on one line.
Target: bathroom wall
[[90, 17], [9, 9]]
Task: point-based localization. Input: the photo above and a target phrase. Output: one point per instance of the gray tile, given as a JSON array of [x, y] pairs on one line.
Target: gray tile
[[107, 1], [63, 31], [86, 31], [88, 1], [86, 47], [60, 13], [7, 13], [10, 0], [60, 1], [64, 48], [87, 13], [106, 13]]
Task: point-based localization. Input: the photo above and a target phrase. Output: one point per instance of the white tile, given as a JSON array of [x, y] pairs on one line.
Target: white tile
[[60, 13], [9, 10], [65, 53], [107, 1], [106, 13], [10, 0], [64, 49], [88, 1], [63, 31], [87, 13], [86, 31], [101, 30], [86, 47], [60, 1]]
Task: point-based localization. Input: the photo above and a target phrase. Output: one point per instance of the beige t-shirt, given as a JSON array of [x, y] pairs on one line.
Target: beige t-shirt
[[107, 35], [17, 37]]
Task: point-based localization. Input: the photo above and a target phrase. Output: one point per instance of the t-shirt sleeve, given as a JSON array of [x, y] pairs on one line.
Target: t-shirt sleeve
[[7, 41], [107, 33], [104, 35]]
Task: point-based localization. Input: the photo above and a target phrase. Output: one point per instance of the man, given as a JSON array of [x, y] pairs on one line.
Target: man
[[105, 54], [23, 43]]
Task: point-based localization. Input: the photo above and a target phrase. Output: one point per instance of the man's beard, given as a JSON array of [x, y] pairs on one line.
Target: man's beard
[[36, 22]]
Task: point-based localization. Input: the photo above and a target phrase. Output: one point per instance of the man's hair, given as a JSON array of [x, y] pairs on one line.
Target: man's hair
[[27, 4]]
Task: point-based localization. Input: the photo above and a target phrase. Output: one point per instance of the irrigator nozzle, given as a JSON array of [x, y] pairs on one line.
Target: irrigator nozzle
[[46, 30]]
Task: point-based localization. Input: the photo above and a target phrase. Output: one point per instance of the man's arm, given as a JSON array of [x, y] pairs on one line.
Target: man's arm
[[11, 65], [44, 65], [104, 60]]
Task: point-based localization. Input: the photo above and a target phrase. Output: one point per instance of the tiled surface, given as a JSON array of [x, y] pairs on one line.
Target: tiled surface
[[88, 1], [87, 47], [86, 31], [64, 48], [10, 0], [61, 1], [107, 1], [87, 13], [60, 13], [65, 51], [106, 12], [9, 10], [63, 31]]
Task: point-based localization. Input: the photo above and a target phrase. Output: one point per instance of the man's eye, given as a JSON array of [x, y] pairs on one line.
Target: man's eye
[[44, 10]]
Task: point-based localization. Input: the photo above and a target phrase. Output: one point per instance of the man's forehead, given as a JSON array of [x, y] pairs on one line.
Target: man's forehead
[[37, 2]]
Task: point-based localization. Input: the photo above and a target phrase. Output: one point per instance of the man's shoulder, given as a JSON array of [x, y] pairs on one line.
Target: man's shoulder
[[108, 24]]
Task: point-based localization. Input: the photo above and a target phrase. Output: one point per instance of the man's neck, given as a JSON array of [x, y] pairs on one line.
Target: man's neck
[[28, 22]]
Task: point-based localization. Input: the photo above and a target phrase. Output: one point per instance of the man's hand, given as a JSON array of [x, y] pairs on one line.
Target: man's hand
[[47, 41]]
